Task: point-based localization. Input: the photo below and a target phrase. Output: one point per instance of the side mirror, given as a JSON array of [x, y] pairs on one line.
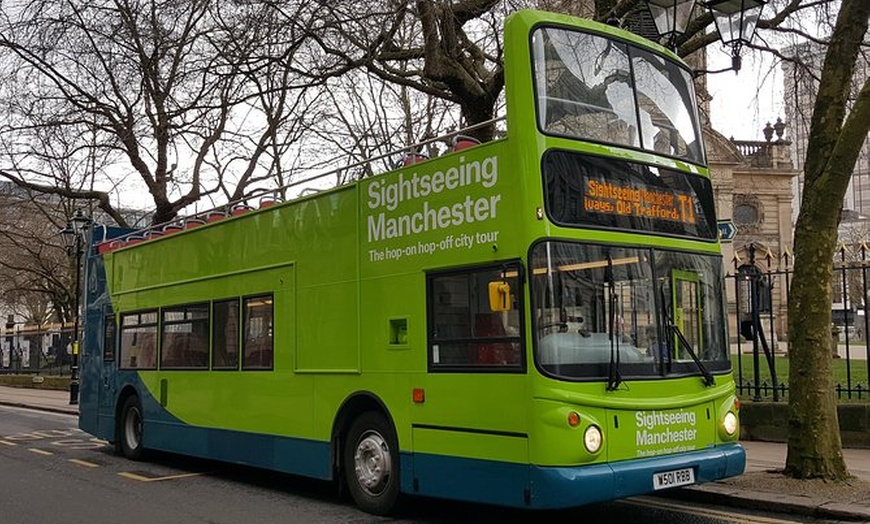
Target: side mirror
[[499, 296]]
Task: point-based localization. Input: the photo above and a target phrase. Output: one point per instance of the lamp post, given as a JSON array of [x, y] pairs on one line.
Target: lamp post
[[736, 21], [73, 235], [10, 340]]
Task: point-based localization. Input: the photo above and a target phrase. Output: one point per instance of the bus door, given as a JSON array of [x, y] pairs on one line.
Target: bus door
[[686, 307], [477, 399], [107, 388]]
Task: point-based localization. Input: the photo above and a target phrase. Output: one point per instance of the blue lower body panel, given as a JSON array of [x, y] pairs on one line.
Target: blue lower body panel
[[305, 457], [165, 432], [541, 487], [574, 486]]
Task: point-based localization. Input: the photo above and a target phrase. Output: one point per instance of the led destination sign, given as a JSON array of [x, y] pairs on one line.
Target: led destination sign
[[590, 191], [604, 197]]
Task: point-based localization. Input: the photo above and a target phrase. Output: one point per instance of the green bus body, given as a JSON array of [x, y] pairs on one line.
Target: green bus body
[[352, 278]]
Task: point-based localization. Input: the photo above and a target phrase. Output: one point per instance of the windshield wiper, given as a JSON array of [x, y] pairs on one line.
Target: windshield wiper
[[708, 377], [614, 379]]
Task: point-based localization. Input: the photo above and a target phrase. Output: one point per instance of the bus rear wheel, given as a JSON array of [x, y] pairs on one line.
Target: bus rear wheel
[[131, 429], [371, 464]]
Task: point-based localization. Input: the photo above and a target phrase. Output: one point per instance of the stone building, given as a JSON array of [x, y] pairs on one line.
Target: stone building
[[800, 79], [752, 183]]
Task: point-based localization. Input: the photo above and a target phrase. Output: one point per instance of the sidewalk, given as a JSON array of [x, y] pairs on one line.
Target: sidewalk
[[759, 488], [42, 399]]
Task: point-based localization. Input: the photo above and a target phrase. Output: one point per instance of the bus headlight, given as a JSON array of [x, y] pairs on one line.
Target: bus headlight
[[592, 439], [730, 423]]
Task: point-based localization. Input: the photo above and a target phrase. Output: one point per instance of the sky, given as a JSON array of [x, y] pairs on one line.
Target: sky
[[743, 103]]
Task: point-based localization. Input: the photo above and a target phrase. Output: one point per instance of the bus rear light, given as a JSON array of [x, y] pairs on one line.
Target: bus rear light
[[419, 395], [573, 419], [736, 404]]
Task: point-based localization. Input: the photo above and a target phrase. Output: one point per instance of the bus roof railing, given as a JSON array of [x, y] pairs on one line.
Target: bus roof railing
[[268, 197]]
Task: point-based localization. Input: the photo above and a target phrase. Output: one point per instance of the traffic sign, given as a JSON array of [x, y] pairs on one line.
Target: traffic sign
[[727, 230]]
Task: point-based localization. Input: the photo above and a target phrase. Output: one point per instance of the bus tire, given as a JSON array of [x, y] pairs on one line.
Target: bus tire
[[371, 464], [130, 431]]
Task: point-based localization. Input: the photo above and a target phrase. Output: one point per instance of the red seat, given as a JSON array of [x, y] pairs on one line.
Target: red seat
[[461, 142], [193, 222], [133, 239], [493, 353], [214, 216], [414, 158], [240, 209], [168, 229], [267, 201]]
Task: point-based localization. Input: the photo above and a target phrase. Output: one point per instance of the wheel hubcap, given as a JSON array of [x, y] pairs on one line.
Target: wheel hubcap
[[133, 428], [372, 463]]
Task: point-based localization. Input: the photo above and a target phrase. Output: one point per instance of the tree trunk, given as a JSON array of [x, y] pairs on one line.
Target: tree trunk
[[478, 111], [814, 446]]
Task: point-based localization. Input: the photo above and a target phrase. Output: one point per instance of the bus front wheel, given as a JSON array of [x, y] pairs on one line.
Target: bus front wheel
[[371, 464], [130, 430]]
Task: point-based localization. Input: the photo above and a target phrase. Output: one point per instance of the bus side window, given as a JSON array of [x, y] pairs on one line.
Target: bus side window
[[225, 335], [139, 340], [465, 333], [184, 337], [109, 340], [257, 349]]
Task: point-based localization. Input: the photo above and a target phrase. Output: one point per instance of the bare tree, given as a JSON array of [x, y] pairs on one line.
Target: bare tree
[[206, 99], [373, 118], [449, 50], [35, 277], [172, 94], [455, 51]]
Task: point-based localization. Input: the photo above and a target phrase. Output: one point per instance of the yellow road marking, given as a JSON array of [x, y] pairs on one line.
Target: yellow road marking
[[40, 451], [141, 478], [84, 463], [730, 517], [6, 442]]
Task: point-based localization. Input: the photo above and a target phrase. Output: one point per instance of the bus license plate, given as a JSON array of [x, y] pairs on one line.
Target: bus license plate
[[672, 479]]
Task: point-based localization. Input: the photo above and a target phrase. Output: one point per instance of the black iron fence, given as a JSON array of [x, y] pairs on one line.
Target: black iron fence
[[26, 349], [758, 297]]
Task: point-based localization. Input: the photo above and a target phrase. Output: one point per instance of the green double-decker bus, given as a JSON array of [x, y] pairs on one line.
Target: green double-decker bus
[[537, 321]]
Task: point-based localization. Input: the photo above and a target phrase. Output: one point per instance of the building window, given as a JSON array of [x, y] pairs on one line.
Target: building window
[[258, 349], [745, 214], [748, 213]]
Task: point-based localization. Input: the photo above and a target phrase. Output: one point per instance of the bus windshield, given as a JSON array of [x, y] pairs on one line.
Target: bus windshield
[[606, 310], [599, 89]]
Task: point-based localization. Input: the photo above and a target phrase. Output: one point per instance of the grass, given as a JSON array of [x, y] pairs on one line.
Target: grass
[[858, 370]]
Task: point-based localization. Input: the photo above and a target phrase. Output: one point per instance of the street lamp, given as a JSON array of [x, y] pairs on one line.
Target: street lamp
[[671, 18], [73, 236], [735, 22]]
